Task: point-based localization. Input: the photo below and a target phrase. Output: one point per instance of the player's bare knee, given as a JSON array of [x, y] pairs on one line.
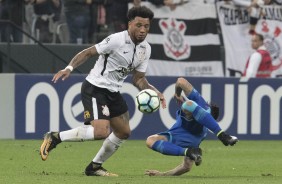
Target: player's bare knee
[[120, 126], [150, 141], [101, 129], [189, 106], [189, 102]]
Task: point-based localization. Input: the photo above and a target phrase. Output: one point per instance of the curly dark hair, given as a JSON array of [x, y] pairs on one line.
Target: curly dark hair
[[140, 11], [214, 110]]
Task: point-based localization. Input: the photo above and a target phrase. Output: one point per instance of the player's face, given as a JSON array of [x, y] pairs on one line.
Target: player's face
[[256, 42], [138, 29]]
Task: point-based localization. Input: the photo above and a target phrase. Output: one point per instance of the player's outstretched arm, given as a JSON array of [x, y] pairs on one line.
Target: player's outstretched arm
[[64, 74], [77, 60], [154, 173], [184, 167]]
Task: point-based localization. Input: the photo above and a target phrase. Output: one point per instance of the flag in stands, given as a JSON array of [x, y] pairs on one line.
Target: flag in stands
[[184, 41], [234, 22]]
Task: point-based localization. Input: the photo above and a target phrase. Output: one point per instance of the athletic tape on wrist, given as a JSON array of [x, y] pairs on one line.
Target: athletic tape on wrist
[[69, 67]]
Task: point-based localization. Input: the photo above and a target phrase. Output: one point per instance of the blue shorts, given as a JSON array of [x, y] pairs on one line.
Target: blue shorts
[[183, 138]]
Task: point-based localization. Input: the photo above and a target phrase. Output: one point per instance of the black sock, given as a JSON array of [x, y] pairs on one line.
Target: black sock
[[56, 135], [93, 166]]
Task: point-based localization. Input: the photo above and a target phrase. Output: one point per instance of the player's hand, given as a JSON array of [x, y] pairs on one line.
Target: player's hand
[[153, 173], [65, 73], [162, 99]]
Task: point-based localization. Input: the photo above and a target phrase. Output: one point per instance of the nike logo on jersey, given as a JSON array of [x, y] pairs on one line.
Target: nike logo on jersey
[[125, 52]]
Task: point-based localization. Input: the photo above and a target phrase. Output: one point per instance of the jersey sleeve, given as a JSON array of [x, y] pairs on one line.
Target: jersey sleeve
[[109, 44], [142, 67]]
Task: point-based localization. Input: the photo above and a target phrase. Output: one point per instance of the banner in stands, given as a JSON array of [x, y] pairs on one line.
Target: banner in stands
[[249, 109], [184, 42], [234, 22]]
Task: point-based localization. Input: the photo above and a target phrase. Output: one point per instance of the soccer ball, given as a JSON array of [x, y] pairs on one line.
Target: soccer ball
[[147, 101]]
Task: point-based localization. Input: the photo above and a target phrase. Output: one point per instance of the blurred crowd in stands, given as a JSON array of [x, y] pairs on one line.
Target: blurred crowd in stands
[[84, 21], [63, 21]]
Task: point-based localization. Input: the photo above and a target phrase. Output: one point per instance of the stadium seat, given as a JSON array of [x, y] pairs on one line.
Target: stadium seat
[[63, 33]]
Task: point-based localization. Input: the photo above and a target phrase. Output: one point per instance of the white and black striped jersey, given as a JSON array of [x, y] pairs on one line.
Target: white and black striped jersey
[[118, 57]]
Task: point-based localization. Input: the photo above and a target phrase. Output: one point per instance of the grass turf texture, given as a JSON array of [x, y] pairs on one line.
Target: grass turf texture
[[247, 162]]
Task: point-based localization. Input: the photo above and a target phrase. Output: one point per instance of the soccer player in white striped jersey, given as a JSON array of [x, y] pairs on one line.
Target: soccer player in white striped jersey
[[104, 108]]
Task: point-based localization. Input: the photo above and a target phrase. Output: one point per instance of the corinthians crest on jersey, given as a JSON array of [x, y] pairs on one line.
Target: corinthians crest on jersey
[[141, 53]]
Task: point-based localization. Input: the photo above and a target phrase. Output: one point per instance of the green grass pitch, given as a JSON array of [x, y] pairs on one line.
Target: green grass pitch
[[247, 162]]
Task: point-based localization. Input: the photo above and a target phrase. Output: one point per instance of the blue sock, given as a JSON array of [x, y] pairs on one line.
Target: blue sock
[[206, 119], [202, 116], [168, 148]]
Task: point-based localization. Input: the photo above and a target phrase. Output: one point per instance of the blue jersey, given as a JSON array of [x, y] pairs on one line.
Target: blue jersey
[[188, 132]]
